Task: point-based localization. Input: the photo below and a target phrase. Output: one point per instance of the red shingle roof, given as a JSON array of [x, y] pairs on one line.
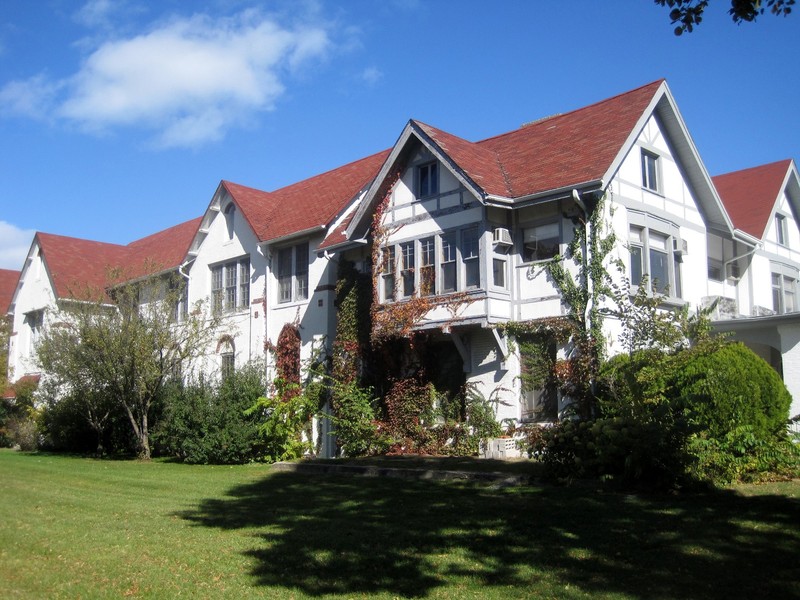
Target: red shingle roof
[[8, 284], [78, 266], [553, 153], [749, 195], [307, 204], [163, 250]]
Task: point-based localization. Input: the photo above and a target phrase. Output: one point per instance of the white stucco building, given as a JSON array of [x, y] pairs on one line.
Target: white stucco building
[[468, 225]]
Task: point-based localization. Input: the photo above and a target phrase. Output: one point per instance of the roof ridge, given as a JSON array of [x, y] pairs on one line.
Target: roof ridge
[[550, 118]]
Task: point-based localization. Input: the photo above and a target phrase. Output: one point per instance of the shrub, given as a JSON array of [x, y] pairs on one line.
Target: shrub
[[729, 388], [209, 423], [285, 421], [354, 424]]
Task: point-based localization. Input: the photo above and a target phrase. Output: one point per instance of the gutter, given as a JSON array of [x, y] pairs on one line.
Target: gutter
[[562, 192], [295, 234]]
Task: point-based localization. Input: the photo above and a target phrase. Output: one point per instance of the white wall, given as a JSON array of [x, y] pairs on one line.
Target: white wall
[[35, 293]]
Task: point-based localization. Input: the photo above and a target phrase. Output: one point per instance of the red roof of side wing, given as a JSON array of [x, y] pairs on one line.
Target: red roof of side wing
[[8, 284], [162, 250], [308, 204], [569, 149], [749, 195], [80, 268]]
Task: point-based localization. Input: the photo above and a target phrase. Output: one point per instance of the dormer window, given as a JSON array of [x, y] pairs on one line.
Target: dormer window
[[650, 171], [428, 180]]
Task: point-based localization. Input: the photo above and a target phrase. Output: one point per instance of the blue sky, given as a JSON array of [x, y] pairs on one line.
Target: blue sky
[[119, 118]]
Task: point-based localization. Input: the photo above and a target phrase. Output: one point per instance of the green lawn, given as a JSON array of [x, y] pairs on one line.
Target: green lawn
[[80, 528]]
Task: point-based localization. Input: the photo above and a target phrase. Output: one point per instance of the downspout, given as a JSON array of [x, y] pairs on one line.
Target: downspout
[[587, 316], [262, 250]]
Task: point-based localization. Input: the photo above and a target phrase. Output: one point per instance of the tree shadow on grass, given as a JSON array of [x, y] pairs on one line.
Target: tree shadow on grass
[[350, 535]]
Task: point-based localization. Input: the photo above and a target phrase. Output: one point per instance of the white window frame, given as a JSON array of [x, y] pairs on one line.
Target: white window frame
[[427, 180], [406, 262], [645, 248], [784, 289], [35, 320], [781, 233], [230, 289], [293, 284], [651, 171]]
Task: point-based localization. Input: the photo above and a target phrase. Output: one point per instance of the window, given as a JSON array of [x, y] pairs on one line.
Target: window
[[427, 180], [448, 262], [470, 245], [651, 255], [230, 285], [227, 354], [407, 269], [650, 179], [780, 229], [715, 270], [499, 272], [541, 242], [230, 216], [179, 294], [293, 273], [427, 271], [35, 321], [783, 293], [389, 267]]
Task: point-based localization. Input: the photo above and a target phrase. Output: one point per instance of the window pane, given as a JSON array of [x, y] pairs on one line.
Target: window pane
[[230, 286], [499, 272], [388, 266], [677, 290], [244, 283], [216, 289], [788, 294], [301, 270], [541, 243], [649, 171], [428, 266], [407, 258], [448, 262], [469, 254], [285, 275], [636, 265], [659, 271]]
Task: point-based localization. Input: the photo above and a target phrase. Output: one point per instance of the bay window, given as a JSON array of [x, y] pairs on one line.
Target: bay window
[[438, 264]]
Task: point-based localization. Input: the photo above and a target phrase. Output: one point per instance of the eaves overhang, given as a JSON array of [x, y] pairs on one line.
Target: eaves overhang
[[293, 235], [547, 195]]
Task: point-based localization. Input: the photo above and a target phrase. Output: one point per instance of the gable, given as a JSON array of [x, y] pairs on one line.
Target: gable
[[750, 195]]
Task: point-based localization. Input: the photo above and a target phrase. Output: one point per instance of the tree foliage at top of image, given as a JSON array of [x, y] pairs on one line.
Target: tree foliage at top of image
[[688, 14]]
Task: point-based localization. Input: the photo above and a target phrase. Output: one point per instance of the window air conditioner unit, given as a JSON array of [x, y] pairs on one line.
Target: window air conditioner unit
[[502, 237], [680, 246]]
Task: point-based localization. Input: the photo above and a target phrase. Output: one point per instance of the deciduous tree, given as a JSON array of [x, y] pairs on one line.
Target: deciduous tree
[[124, 350]]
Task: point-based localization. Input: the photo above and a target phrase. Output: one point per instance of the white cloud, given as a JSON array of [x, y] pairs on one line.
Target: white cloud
[[32, 98], [188, 81], [96, 13], [371, 75], [14, 245]]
